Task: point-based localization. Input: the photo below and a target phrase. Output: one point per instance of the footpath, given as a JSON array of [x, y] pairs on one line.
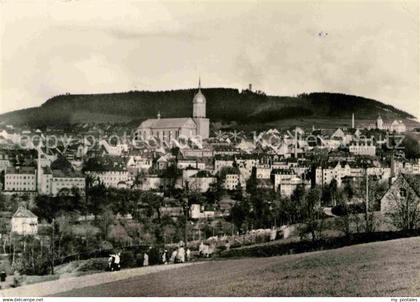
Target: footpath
[[69, 283]]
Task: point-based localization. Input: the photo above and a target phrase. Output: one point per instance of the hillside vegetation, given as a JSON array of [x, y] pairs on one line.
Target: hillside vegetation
[[223, 105]]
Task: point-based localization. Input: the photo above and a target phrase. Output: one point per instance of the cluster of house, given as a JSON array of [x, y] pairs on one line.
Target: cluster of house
[[279, 160]]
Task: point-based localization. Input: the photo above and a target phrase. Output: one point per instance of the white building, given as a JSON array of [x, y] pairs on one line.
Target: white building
[[4, 161], [190, 163], [398, 126], [286, 182], [232, 181], [139, 163], [20, 179], [362, 149], [324, 175], [201, 182], [263, 171], [197, 211], [56, 181], [339, 170], [24, 222]]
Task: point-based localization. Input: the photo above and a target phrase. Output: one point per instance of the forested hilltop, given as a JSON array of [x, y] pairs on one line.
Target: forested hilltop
[[224, 105]]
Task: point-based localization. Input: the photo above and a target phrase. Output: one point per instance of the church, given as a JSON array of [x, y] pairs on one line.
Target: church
[[167, 129]]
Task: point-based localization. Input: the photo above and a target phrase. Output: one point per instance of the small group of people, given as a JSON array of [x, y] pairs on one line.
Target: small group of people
[[178, 255], [114, 262]]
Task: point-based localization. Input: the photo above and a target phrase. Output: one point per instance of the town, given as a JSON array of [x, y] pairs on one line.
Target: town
[[70, 194]]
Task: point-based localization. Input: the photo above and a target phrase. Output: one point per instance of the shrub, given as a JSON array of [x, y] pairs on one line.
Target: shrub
[[128, 259]]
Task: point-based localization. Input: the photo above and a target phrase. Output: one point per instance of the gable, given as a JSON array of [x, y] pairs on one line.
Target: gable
[[388, 200]]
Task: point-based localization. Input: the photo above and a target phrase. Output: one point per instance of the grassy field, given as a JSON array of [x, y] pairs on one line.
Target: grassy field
[[390, 268]]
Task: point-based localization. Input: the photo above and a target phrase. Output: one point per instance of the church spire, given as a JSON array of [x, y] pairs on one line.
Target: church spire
[[199, 83]]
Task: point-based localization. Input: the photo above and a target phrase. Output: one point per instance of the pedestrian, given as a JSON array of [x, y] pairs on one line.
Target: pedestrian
[[188, 254], [180, 254], [117, 260], [173, 256], [164, 256], [145, 260], [111, 260]]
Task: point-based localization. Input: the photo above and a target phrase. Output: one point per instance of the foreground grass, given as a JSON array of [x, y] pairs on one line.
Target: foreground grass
[[390, 268]]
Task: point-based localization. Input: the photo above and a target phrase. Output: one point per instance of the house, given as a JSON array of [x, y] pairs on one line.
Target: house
[[397, 126], [286, 181], [4, 161], [190, 163], [405, 185], [201, 181], [362, 148], [24, 222], [139, 163], [221, 162], [263, 171], [112, 172], [232, 181], [20, 179], [198, 211]]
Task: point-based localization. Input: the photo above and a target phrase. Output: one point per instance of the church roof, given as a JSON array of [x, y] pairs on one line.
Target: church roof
[[162, 123]]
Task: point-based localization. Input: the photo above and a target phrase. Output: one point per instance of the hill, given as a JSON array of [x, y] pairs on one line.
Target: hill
[[382, 269], [223, 105]]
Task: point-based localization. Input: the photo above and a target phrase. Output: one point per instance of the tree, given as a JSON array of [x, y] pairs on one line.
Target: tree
[[405, 214], [313, 216], [61, 163], [151, 203], [34, 259], [239, 213], [348, 190], [96, 199], [333, 188]]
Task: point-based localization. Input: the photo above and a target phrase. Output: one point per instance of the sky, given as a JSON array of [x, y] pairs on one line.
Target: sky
[[365, 48]]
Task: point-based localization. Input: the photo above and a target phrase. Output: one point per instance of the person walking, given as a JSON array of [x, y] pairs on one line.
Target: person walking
[[188, 254], [164, 256], [117, 260], [111, 262], [145, 260], [180, 254]]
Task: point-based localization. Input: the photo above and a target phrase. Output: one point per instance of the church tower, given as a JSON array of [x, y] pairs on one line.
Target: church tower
[[199, 103], [199, 113]]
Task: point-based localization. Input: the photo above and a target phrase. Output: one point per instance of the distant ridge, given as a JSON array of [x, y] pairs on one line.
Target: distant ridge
[[224, 105]]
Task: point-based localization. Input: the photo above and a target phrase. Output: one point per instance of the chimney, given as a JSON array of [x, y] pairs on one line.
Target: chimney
[[352, 120], [250, 87]]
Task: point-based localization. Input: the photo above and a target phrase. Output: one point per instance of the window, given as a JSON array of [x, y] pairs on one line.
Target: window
[[403, 192]]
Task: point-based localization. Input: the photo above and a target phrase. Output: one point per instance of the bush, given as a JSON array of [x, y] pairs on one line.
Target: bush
[[154, 256], [282, 248], [353, 208], [128, 259]]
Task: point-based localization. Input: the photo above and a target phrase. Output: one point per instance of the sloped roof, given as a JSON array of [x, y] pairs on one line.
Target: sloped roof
[[168, 123], [66, 173], [20, 170], [414, 181], [22, 212]]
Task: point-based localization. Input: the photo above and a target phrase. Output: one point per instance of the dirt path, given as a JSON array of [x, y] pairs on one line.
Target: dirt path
[[71, 283]]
